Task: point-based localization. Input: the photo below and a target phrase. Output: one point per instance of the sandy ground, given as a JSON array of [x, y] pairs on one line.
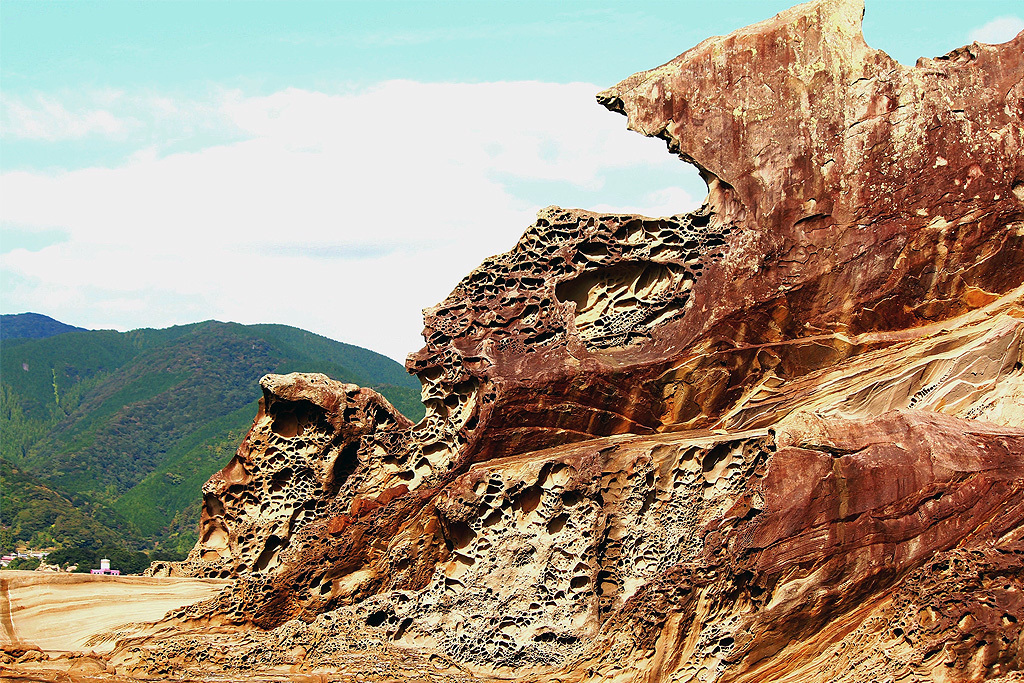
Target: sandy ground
[[72, 612]]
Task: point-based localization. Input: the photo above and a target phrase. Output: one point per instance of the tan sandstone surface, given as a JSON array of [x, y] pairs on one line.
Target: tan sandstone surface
[[74, 612], [779, 438], [72, 616]]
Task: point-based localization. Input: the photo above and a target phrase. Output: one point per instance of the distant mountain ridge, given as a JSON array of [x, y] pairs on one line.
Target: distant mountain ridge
[[32, 326], [130, 424]]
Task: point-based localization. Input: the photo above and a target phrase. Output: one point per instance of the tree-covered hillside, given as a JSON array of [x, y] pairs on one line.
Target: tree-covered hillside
[[35, 511], [125, 427], [32, 326]]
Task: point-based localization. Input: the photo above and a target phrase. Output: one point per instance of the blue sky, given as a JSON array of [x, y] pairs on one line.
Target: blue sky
[[335, 165]]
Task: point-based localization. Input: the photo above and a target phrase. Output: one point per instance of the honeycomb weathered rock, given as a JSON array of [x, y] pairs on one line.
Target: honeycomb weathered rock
[[779, 438]]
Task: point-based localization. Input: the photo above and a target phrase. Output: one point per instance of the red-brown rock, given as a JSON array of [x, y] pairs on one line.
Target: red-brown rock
[[779, 438]]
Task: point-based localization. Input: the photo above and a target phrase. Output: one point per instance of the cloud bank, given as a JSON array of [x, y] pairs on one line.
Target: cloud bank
[[999, 30], [341, 213]]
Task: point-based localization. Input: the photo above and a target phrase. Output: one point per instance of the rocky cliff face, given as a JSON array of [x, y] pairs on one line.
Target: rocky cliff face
[[780, 438]]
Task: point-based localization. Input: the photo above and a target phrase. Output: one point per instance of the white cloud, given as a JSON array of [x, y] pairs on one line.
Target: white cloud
[[999, 30], [668, 201], [107, 114], [46, 118], [343, 214]]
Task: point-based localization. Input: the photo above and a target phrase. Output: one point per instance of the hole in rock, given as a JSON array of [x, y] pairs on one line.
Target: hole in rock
[[493, 518], [554, 475], [406, 623], [285, 424], [377, 619], [606, 583], [463, 560], [557, 523], [215, 537], [713, 457], [617, 304], [579, 582], [343, 466], [214, 506], [280, 480], [529, 499], [235, 473], [269, 554], [434, 448], [431, 374], [461, 534], [571, 498]]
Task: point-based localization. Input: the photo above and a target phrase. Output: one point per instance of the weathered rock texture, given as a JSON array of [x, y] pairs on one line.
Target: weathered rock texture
[[779, 438]]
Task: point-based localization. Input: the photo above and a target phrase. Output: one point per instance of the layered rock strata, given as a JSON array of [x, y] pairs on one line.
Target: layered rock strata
[[779, 438]]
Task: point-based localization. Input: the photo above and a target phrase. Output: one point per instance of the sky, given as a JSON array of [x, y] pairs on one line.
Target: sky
[[337, 166]]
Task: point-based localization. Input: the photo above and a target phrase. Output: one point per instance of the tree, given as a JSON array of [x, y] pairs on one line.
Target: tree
[[83, 557], [23, 563]]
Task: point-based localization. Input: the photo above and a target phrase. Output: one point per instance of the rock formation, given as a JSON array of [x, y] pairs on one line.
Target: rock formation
[[779, 438]]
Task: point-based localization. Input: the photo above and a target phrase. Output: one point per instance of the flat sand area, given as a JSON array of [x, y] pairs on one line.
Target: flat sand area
[[67, 612]]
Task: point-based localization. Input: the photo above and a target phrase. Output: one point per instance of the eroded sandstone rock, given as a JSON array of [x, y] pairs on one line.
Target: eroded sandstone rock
[[779, 438], [300, 458], [851, 518]]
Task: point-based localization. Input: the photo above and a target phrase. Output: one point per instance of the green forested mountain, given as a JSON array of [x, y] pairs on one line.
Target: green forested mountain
[[32, 326], [120, 430], [30, 506]]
